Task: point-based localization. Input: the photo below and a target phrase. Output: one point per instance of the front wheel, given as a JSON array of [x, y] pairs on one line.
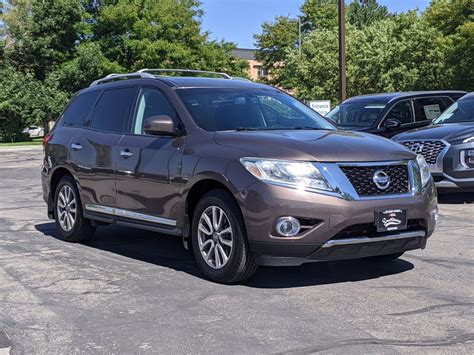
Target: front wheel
[[71, 224], [219, 239]]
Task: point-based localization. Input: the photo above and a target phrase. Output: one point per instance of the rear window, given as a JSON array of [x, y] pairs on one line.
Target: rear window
[[77, 111], [112, 110]]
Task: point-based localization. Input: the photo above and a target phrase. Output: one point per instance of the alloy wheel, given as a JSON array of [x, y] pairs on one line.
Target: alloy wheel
[[66, 208], [215, 237]]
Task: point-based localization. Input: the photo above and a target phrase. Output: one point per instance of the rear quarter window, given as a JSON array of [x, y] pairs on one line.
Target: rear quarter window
[[79, 108]]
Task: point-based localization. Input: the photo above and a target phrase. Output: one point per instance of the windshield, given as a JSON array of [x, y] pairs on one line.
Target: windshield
[[460, 111], [356, 114], [221, 109]]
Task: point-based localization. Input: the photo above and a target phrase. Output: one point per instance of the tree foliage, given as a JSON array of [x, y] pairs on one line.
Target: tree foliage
[[385, 52], [363, 13], [50, 49]]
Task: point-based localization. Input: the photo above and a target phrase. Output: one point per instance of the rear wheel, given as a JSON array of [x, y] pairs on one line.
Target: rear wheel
[[384, 258], [71, 224], [219, 239]]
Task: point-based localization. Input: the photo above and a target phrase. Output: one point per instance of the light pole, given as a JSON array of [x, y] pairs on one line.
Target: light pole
[[298, 20], [342, 51]]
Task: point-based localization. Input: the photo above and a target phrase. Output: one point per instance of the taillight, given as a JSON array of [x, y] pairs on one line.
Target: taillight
[[47, 137]]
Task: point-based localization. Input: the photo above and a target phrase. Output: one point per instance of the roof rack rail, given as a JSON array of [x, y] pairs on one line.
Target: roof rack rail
[[114, 76], [224, 75]]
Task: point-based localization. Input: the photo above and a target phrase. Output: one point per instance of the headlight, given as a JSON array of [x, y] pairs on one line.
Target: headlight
[[424, 170], [299, 175], [469, 140]]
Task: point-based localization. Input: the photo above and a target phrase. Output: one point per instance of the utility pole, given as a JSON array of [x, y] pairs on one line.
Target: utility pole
[[298, 21], [342, 51], [299, 35]]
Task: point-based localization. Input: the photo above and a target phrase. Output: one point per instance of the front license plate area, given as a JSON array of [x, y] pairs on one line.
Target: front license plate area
[[391, 220]]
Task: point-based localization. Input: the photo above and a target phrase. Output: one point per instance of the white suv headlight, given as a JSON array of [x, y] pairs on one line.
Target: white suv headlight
[[424, 170], [295, 174]]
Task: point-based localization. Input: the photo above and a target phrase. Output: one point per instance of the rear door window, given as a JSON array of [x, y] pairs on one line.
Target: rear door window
[[429, 108], [402, 111], [112, 110], [78, 110]]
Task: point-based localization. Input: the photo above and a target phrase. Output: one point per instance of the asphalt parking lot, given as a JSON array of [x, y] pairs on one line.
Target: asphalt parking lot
[[131, 291]]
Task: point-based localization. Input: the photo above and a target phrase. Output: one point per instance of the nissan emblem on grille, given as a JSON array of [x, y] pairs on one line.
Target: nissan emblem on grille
[[381, 179]]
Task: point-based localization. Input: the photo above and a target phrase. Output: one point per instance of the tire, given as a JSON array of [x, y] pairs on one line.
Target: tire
[[80, 229], [240, 264], [384, 258]]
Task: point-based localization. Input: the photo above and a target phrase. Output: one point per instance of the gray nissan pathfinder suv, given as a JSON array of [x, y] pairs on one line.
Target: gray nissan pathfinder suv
[[243, 172]]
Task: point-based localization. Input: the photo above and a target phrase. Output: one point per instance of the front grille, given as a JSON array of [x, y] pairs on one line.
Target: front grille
[[362, 178], [429, 149]]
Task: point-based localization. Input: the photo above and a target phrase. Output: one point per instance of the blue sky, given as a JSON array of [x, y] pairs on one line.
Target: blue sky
[[238, 20]]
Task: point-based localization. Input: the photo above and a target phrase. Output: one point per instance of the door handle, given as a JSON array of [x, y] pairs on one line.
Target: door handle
[[75, 146], [126, 154]]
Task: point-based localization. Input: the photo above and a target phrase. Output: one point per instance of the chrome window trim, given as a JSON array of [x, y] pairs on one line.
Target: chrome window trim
[[364, 240], [129, 214]]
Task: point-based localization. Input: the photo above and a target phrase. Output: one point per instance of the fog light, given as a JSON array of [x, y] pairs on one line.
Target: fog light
[[288, 226], [470, 156]]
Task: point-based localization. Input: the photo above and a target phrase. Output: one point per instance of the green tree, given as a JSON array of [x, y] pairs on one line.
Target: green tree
[[274, 41], [319, 14], [159, 34], [41, 34], [396, 54], [449, 15], [362, 13]]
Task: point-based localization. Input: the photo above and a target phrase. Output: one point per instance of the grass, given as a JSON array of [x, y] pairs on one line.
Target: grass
[[34, 141]]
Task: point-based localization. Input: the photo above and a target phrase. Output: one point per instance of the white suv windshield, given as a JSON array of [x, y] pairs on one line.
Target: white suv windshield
[[224, 109]]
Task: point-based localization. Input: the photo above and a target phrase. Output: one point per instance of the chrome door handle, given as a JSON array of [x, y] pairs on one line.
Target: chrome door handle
[[75, 146], [126, 154]]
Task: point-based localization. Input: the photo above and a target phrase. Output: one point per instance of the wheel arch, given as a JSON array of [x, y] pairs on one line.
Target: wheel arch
[[193, 193]]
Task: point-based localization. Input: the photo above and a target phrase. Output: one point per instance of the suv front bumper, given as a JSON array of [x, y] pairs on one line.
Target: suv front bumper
[[262, 204], [455, 174]]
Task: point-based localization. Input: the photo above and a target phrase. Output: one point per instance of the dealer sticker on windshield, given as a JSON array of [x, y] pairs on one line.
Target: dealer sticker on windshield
[[391, 220]]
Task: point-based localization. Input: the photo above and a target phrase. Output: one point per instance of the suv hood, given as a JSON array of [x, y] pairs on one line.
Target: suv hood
[[448, 132], [309, 145]]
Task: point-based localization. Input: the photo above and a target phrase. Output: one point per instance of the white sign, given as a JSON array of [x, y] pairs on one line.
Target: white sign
[[321, 106], [432, 111]]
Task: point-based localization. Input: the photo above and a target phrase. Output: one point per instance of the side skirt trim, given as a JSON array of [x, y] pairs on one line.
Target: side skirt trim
[[129, 214]]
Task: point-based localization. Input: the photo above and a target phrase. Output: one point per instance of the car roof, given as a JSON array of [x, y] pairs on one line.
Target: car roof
[[390, 96], [203, 82], [177, 82], [469, 96]]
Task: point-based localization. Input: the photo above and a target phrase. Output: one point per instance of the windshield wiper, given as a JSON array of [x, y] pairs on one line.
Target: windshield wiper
[[247, 129], [307, 127]]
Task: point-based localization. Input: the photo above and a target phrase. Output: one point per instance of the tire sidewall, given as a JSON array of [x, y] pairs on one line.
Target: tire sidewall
[[67, 180], [239, 248]]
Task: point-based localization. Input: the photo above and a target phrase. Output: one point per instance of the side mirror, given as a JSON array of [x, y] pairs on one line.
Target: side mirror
[[161, 125], [392, 123]]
